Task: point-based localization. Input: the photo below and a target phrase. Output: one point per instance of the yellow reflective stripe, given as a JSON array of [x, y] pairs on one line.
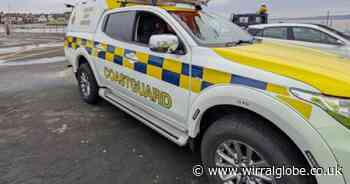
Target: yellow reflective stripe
[[216, 77], [128, 64], [172, 65], [184, 81], [110, 57], [103, 46], [70, 39], [119, 52], [196, 85], [300, 106], [142, 57], [154, 71], [277, 89], [74, 45]]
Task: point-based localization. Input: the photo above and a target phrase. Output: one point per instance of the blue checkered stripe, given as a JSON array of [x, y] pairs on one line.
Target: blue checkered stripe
[[167, 70]]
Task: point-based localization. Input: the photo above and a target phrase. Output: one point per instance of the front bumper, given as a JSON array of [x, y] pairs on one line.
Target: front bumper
[[336, 136]]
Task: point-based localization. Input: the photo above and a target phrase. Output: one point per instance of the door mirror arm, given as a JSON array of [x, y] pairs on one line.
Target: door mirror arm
[[341, 43]]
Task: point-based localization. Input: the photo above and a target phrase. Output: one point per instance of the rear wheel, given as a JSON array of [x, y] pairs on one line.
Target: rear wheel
[[243, 140], [88, 86]]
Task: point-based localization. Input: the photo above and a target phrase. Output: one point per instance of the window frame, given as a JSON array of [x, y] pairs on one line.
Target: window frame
[[323, 42]]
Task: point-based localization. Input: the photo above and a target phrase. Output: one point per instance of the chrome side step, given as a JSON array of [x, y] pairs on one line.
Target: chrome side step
[[173, 134]]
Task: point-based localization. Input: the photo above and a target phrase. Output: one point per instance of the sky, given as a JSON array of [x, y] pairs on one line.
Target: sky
[[277, 8]]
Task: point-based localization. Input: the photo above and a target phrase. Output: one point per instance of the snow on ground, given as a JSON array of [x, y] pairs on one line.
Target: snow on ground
[[34, 28], [32, 62], [28, 47]]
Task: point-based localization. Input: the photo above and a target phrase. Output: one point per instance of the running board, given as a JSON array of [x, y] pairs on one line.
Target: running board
[[173, 134]]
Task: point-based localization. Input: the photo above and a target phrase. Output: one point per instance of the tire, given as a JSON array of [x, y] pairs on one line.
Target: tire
[[88, 86], [246, 131]]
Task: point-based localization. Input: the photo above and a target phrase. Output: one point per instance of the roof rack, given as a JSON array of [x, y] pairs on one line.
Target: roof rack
[[163, 2]]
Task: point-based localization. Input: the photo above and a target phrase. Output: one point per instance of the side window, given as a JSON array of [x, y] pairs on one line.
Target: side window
[[312, 35], [276, 32], [120, 26]]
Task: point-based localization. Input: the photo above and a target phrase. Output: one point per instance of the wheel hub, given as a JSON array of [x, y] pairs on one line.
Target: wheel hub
[[239, 156], [84, 84]]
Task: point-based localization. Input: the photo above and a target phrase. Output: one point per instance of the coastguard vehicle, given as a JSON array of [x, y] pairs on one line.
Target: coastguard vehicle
[[200, 80]]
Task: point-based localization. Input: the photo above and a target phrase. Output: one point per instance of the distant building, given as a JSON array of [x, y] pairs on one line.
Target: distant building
[[42, 18], [16, 18], [29, 18]]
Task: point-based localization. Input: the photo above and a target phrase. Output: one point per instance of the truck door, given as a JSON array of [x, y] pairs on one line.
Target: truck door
[[151, 79]]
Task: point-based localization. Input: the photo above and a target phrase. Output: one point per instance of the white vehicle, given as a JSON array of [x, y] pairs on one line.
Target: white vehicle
[[308, 35], [200, 80]]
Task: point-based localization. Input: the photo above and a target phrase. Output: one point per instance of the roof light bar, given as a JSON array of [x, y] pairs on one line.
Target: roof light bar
[[165, 2]]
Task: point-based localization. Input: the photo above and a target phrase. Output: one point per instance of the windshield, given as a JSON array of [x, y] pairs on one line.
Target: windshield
[[212, 30]]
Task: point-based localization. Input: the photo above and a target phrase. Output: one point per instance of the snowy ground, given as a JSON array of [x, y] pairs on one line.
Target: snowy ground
[[34, 28], [57, 59], [31, 48], [7, 50], [22, 39]]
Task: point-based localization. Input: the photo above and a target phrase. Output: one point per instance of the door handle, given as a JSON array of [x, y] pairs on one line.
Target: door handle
[[132, 57], [100, 48]]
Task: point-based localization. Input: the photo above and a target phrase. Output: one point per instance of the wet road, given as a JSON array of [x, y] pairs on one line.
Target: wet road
[[48, 135]]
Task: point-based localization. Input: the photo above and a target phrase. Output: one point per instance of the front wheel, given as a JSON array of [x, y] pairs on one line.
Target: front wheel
[[88, 86], [244, 141]]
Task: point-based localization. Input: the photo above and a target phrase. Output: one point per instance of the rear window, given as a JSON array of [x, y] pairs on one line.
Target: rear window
[[120, 25]]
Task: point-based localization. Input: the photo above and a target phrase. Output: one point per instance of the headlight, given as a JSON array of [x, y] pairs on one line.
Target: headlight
[[338, 108]]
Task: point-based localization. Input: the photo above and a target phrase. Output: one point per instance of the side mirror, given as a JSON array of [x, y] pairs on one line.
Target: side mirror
[[164, 43], [341, 43]]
